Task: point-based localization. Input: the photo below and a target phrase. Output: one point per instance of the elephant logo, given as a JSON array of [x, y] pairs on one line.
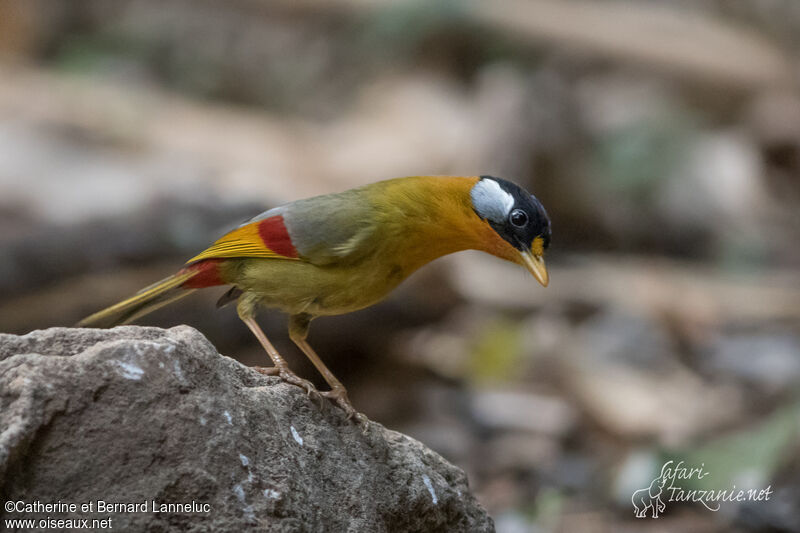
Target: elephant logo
[[650, 497]]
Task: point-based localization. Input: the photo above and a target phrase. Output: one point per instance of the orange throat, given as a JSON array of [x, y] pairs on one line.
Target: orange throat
[[434, 217]]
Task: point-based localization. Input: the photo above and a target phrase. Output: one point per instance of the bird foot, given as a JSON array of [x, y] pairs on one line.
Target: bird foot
[[290, 377], [266, 370], [339, 396]]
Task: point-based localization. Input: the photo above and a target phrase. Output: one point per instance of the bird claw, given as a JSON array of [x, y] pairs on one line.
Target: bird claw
[[339, 396], [266, 370], [363, 421], [289, 377]]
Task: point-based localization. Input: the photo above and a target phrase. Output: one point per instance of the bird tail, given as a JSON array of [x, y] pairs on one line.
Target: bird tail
[[157, 295]]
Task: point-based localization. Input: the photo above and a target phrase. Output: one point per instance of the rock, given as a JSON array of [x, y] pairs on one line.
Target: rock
[[523, 411], [149, 416], [776, 368], [522, 452], [624, 373]]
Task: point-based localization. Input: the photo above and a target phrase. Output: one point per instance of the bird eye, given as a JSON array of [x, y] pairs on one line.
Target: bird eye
[[518, 218]]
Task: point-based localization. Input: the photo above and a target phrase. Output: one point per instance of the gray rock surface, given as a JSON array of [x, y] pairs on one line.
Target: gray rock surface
[[146, 415]]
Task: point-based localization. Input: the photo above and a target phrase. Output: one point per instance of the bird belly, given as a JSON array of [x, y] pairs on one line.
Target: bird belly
[[298, 287]]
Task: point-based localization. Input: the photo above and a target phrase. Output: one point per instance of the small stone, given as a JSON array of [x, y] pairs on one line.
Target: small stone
[[523, 411]]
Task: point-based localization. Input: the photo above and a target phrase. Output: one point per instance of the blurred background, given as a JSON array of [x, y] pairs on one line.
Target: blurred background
[[662, 136]]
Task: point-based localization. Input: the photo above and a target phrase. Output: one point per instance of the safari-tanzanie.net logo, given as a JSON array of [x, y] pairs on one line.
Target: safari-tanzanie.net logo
[[677, 483]]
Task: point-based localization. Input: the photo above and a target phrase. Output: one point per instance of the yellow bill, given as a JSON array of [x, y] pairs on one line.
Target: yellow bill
[[535, 263]]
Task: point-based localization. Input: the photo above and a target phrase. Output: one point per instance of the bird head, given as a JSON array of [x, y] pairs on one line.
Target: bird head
[[519, 223]]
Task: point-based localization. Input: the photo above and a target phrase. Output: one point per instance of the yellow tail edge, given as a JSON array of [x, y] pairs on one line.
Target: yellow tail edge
[[143, 302]]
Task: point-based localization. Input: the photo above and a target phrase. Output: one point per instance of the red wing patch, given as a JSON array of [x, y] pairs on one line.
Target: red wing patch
[[275, 236], [266, 238]]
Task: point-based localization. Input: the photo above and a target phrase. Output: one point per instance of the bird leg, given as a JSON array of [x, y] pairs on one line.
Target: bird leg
[[298, 331], [281, 368]]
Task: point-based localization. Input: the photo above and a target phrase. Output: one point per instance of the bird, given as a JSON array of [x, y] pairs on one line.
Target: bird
[[340, 252]]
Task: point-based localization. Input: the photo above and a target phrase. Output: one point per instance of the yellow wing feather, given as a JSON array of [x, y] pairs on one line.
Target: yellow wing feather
[[244, 241]]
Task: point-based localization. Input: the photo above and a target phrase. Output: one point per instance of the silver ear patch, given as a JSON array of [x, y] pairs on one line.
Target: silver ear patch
[[490, 201]]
